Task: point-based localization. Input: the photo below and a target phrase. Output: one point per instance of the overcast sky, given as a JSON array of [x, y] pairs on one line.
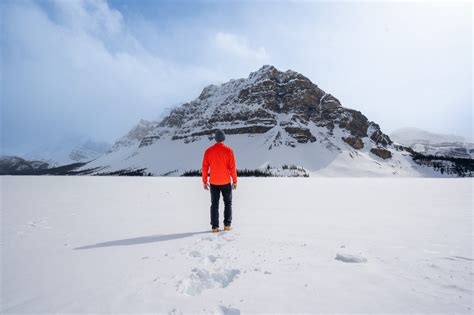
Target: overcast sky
[[93, 68]]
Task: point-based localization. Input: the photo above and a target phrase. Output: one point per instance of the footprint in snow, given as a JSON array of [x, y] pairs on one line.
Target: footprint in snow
[[40, 223], [229, 310], [208, 238], [174, 311], [351, 258], [202, 279], [195, 253]]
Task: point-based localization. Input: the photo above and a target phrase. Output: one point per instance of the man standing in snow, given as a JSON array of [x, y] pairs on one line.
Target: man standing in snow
[[220, 159]]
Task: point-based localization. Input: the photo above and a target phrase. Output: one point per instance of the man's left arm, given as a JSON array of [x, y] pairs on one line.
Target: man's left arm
[[233, 170], [205, 170]]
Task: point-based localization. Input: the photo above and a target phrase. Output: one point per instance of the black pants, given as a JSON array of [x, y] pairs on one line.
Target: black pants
[[215, 195]]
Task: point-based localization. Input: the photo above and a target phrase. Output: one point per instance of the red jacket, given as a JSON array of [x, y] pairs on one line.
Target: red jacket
[[220, 159]]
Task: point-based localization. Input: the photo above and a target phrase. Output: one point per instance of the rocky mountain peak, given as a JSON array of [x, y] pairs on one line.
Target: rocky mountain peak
[[284, 105], [269, 72]]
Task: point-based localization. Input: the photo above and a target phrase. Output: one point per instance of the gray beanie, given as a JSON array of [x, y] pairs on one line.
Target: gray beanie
[[219, 136]]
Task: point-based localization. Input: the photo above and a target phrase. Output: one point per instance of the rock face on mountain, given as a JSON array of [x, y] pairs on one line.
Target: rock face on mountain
[[283, 103], [383, 153], [272, 119], [138, 133]]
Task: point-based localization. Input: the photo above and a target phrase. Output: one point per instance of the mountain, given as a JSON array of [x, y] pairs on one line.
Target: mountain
[[68, 151], [275, 121], [429, 143], [61, 158], [14, 165]]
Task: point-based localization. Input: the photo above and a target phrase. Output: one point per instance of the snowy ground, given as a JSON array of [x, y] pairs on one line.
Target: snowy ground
[[116, 244]]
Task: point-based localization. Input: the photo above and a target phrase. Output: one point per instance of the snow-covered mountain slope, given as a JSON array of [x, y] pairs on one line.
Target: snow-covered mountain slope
[[69, 151], [271, 119], [93, 245], [14, 164], [89, 150], [430, 143]]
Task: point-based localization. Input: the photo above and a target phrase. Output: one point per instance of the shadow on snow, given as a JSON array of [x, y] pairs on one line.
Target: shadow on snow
[[142, 240]]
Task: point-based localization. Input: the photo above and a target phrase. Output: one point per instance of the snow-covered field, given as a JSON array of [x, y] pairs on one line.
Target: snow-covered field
[[141, 245]]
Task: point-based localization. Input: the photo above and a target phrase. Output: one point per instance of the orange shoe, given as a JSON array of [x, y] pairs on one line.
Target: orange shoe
[[215, 230], [227, 228]]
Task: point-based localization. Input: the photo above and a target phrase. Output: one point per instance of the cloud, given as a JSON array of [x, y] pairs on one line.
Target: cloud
[[93, 16], [233, 56], [77, 70], [94, 68], [237, 46]]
